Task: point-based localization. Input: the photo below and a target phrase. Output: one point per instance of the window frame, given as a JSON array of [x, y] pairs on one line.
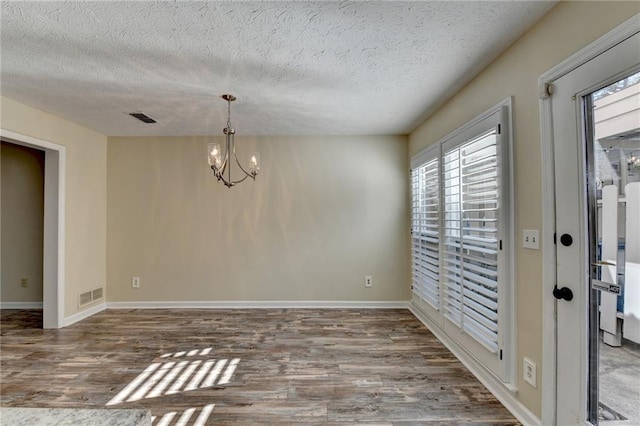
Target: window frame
[[503, 363]]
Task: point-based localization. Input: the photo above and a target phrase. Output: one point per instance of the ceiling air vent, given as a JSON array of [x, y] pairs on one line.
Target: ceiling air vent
[[142, 117]]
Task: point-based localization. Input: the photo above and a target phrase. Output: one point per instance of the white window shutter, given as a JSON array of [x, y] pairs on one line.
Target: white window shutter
[[462, 275], [471, 238], [425, 232], [451, 236]]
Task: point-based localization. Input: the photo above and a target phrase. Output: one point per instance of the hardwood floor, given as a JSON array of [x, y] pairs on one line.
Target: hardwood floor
[[263, 366]]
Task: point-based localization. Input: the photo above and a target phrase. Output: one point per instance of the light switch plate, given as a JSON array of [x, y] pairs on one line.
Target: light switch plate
[[531, 239]]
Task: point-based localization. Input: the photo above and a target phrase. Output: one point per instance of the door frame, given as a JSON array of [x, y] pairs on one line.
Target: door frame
[[54, 225], [545, 81]]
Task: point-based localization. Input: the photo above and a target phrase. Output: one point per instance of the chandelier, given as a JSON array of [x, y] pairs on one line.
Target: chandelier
[[221, 164]]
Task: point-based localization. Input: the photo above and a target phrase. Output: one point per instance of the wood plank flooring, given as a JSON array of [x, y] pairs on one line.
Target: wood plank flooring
[[263, 366]]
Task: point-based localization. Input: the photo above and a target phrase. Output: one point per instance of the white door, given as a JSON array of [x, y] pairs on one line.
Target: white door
[[576, 384]]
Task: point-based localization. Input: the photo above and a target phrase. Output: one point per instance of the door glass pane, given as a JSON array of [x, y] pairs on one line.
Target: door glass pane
[[613, 133]]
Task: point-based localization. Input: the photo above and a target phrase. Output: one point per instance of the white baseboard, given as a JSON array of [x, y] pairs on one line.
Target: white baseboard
[[20, 305], [79, 316], [258, 305], [503, 393]]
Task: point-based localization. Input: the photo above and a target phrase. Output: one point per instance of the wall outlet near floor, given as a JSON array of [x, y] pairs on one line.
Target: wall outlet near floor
[[24, 282], [368, 281], [529, 371], [135, 282]]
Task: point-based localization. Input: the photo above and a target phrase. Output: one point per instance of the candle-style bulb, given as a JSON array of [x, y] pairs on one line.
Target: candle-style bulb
[[254, 163]]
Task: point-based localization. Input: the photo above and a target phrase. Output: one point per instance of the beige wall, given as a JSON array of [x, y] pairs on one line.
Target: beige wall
[[323, 213], [566, 29], [22, 208], [86, 192]]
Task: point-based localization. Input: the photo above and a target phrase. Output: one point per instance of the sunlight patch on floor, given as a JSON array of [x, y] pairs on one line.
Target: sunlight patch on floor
[[172, 376], [183, 420]]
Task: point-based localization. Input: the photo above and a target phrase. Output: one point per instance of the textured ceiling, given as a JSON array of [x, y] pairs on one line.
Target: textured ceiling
[[297, 68]]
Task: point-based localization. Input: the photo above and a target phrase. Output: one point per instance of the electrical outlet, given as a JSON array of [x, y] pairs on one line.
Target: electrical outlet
[[135, 282], [24, 282], [531, 239], [529, 371], [368, 281]]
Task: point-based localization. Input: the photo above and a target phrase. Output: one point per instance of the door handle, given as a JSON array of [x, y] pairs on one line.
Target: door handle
[[564, 293], [603, 263]]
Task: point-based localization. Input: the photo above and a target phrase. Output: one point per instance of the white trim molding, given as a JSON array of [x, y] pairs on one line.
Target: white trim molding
[[294, 304], [20, 305], [504, 392], [599, 46], [79, 316]]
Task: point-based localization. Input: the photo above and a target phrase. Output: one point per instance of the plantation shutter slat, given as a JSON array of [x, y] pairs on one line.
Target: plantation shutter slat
[[471, 202], [425, 232]]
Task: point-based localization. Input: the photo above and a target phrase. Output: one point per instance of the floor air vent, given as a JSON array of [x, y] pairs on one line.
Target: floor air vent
[[96, 294], [90, 296], [85, 298]]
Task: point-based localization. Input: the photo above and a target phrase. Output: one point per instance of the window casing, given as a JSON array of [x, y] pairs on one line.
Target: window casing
[[462, 275]]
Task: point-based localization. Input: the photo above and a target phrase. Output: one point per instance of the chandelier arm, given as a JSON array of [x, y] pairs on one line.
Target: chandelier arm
[[241, 180], [251, 175], [228, 183], [230, 145], [224, 165]]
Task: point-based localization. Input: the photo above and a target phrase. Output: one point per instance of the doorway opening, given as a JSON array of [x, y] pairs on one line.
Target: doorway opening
[[22, 227]]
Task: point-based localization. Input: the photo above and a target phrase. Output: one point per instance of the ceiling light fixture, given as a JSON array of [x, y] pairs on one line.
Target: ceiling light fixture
[[221, 164]]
